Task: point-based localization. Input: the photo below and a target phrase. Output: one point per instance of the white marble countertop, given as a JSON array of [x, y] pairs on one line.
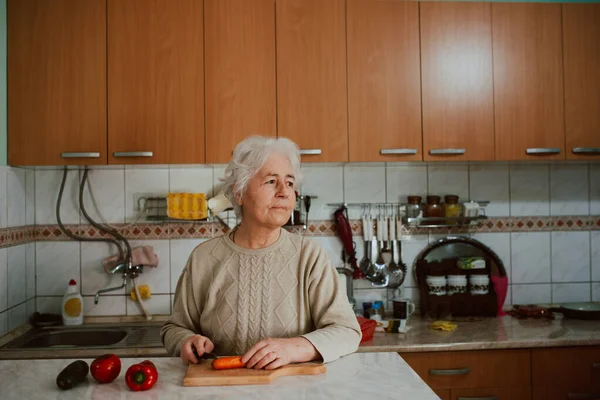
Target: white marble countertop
[[359, 376]]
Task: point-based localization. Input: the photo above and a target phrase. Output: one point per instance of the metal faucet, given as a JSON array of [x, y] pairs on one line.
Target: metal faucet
[[129, 271]]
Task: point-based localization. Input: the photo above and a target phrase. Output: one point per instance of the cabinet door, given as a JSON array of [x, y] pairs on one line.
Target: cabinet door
[[240, 73], [458, 95], [528, 81], [155, 82], [581, 36], [469, 369], [492, 393], [311, 77], [384, 94], [576, 393], [569, 367], [57, 85]]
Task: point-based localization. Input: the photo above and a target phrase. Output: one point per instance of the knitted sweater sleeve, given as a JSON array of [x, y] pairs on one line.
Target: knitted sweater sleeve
[[337, 330], [184, 321]]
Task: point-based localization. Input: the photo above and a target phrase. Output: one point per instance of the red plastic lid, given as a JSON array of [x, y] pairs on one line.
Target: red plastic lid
[[72, 282]]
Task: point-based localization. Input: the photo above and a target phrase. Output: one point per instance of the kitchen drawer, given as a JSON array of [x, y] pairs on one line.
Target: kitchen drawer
[[568, 367], [492, 393], [573, 393], [470, 369], [443, 394]]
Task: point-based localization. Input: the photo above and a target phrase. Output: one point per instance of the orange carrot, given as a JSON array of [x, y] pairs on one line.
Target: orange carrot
[[228, 363]]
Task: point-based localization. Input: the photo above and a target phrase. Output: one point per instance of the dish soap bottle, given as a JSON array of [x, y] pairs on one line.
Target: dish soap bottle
[[72, 305]]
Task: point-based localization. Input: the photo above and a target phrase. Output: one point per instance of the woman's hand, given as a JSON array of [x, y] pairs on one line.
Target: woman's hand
[[202, 345], [275, 353]]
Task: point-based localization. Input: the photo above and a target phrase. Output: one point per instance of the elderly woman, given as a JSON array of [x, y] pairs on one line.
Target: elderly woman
[[259, 291]]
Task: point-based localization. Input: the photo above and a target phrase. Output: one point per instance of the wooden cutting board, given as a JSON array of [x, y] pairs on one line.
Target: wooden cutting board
[[202, 374]]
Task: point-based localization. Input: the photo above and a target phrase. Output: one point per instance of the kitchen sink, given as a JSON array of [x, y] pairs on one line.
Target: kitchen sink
[[88, 337]]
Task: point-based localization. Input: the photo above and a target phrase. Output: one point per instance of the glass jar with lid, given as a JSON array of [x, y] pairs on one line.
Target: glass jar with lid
[[414, 209], [433, 207], [451, 206]]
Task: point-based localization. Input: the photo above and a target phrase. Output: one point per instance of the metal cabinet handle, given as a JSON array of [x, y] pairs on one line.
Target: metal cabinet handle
[[583, 396], [447, 152], [310, 152], [397, 151], [133, 154], [478, 398], [586, 150], [80, 155], [446, 372], [543, 150]]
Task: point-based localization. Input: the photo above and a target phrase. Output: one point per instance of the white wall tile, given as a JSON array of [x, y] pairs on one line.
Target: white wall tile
[[325, 182], [500, 244], [56, 264], [491, 182], [17, 289], [449, 179], [333, 247], [529, 190], [157, 305], [595, 189], [30, 269], [409, 293], [3, 195], [595, 240], [30, 307], [108, 189], [532, 294], [107, 305], [17, 316], [147, 181], [218, 173], [569, 190], [29, 196], [570, 292], [596, 291], [50, 305], [181, 249], [363, 184], [15, 196], [570, 256], [3, 323], [530, 257], [403, 181], [93, 276], [47, 186], [3, 279], [158, 278], [197, 179]]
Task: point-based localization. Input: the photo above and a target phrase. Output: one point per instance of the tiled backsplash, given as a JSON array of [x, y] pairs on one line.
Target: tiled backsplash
[[543, 266]]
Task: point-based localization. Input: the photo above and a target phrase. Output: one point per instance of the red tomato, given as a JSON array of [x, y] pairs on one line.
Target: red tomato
[[106, 368]]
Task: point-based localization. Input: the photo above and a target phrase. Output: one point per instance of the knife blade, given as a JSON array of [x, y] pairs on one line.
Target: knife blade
[[204, 356]]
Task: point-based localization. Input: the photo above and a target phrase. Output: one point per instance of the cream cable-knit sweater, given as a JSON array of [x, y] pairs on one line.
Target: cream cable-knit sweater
[[237, 297]]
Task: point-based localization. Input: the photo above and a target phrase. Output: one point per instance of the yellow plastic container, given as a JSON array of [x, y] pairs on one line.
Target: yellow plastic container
[[188, 206]]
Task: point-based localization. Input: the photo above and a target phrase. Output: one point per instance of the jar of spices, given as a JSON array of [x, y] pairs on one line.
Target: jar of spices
[[433, 207], [451, 206], [414, 209]]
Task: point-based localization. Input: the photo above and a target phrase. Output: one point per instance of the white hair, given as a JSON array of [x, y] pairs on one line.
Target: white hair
[[249, 156]]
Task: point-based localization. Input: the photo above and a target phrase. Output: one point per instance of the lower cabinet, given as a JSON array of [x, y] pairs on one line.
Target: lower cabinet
[[494, 393], [554, 393], [443, 394]]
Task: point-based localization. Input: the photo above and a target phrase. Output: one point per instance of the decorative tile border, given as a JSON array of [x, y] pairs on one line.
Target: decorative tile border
[[15, 236]]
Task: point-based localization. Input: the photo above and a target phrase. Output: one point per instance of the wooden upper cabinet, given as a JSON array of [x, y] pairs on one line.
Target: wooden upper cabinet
[[384, 94], [57, 81], [581, 41], [458, 93], [240, 74], [311, 77], [155, 81], [528, 81]]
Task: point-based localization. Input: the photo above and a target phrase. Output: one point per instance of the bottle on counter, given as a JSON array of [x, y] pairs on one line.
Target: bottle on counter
[[376, 311], [72, 305]]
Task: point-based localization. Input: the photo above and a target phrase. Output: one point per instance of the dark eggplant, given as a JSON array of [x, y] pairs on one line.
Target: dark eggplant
[[345, 233], [72, 375]]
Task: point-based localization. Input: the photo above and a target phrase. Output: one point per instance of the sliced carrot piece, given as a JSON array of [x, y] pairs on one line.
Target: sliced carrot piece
[[228, 363]]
